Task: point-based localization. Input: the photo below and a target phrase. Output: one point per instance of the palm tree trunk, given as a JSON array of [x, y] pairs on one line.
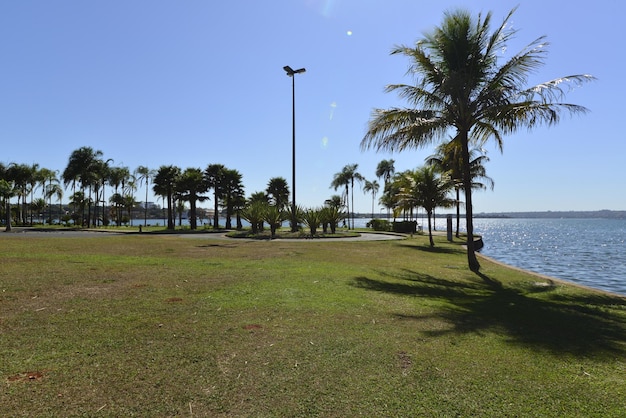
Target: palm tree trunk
[[216, 218], [430, 232], [458, 209], [472, 261], [145, 209]]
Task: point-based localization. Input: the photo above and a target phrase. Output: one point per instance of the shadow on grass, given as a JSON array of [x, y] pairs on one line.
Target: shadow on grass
[[582, 324], [427, 248]]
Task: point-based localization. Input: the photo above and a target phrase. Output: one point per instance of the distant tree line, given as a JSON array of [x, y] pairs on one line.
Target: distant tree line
[[101, 194]]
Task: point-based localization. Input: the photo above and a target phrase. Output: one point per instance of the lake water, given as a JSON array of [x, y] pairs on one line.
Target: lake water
[[591, 252]]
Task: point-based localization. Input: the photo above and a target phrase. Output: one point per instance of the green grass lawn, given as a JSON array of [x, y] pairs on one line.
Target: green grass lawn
[[145, 325]]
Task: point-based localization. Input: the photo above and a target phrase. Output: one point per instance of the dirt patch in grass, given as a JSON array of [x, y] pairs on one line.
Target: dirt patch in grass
[[27, 377], [174, 300]]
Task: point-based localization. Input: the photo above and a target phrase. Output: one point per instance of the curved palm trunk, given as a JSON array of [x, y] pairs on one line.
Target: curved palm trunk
[[472, 261]]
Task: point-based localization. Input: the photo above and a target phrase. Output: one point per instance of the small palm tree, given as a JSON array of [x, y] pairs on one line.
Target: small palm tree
[[274, 216], [278, 192], [448, 159], [254, 213], [312, 218], [424, 187], [331, 214]]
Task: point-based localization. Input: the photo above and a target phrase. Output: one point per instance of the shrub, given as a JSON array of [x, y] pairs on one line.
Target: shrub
[[407, 227], [379, 225]]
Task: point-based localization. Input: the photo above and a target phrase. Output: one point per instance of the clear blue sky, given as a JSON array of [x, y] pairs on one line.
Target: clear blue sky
[[190, 83]]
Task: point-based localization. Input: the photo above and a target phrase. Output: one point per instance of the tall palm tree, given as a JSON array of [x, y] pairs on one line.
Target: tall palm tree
[[191, 184], [118, 177], [448, 159], [143, 175], [214, 174], [232, 191], [346, 177], [371, 187], [48, 178], [55, 190], [385, 171], [164, 184], [460, 86], [34, 179], [81, 168]]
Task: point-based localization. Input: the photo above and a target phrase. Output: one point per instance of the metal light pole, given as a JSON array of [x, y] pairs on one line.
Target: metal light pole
[[291, 73]]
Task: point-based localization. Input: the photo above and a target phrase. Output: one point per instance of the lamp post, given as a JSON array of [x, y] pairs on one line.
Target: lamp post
[[292, 73]]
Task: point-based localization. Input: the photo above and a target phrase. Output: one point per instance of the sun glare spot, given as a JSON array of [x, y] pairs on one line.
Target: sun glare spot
[[349, 33], [324, 143], [333, 106]]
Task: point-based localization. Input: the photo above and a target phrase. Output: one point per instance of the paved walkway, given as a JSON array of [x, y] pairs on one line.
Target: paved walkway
[[70, 233]]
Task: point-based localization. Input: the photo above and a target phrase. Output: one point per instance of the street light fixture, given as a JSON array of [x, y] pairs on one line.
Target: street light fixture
[[291, 73]]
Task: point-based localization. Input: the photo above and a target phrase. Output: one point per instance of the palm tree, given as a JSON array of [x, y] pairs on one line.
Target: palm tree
[[118, 177], [345, 178], [254, 212], [429, 190], [37, 206], [81, 167], [214, 174], [461, 86], [48, 179], [190, 186], [7, 191], [143, 175], [371, 187], [232, 188], [57, 191], [18, 175], [448, 159], [278, 192], [164, 184], [385, 171]]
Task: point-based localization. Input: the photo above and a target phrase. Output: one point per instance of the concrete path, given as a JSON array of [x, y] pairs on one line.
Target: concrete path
[[69, 233]]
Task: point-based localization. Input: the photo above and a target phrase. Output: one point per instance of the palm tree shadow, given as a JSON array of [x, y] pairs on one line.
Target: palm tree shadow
[[427, 248], [580, 325]]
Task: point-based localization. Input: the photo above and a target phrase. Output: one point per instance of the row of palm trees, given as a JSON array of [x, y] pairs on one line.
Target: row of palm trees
[[426, 187], [89, 175]]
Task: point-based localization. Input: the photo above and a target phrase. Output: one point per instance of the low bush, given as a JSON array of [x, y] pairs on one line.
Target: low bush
[[379, 225]]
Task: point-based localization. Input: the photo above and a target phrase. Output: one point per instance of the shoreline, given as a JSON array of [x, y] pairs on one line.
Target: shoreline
[[552, 279]]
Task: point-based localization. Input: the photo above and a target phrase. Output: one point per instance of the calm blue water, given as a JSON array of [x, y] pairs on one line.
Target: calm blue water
[[591, 252]]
